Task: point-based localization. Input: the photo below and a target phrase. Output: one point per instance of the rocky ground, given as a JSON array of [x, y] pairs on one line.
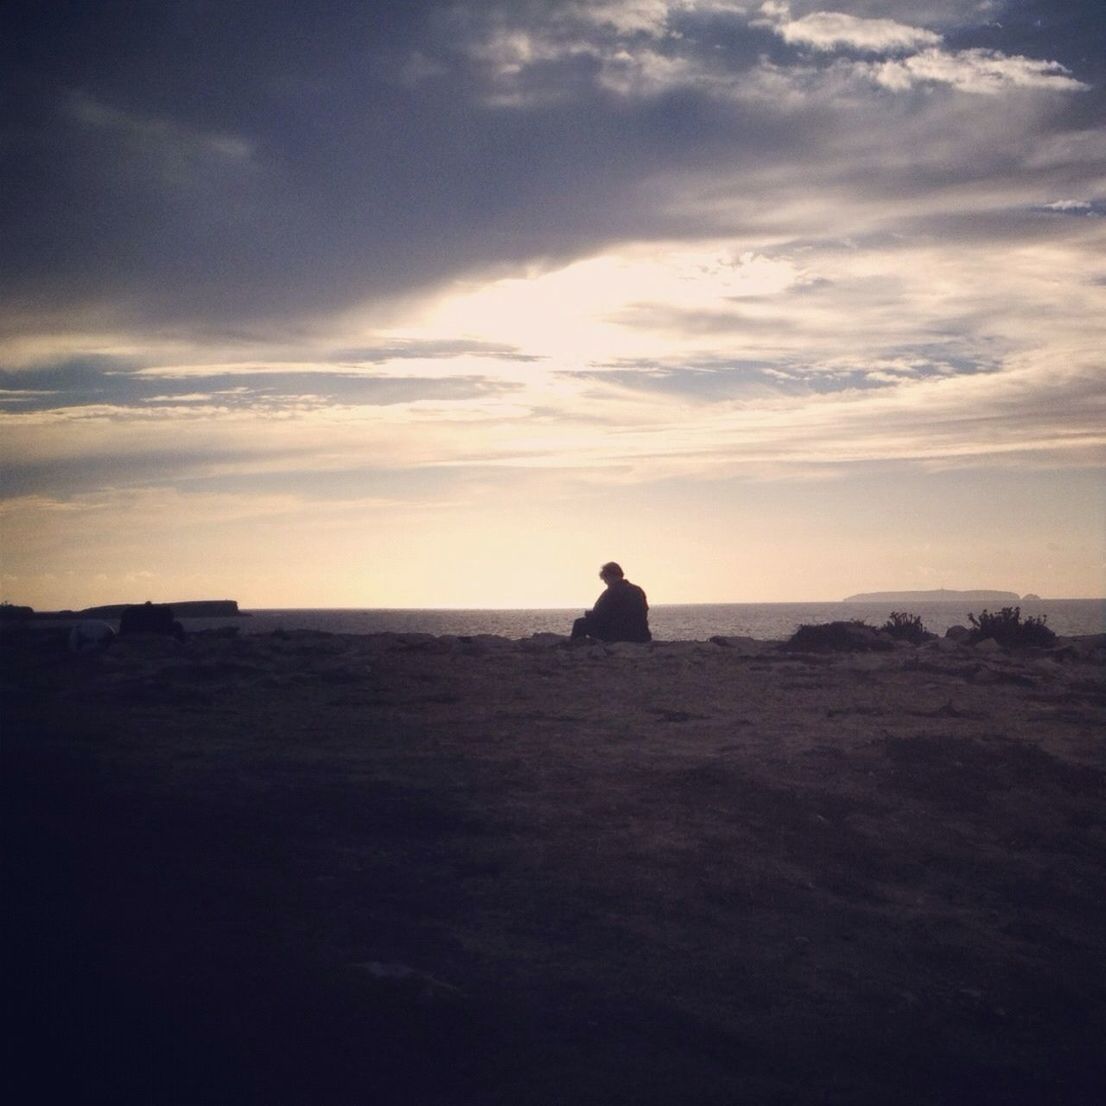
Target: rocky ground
[[303, 868]]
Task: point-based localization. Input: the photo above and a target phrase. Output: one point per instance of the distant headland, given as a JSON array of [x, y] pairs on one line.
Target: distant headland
[[191, 608], [936, 596]]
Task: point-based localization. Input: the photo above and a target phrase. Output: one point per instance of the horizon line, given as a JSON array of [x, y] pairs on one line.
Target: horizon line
[[652, 605], [566, 606]]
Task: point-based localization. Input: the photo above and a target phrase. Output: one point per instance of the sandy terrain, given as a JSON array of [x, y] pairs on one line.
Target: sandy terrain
[[324, 869]]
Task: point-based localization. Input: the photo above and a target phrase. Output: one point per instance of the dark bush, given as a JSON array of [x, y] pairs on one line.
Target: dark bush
[[1007, 628], [854, 636], [150, 618], [906, 627]]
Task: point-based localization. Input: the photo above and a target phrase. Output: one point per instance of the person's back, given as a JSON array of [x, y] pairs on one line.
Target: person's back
[[621, 613]]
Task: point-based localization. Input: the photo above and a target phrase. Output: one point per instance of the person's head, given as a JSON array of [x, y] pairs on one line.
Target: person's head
[[610, 572]]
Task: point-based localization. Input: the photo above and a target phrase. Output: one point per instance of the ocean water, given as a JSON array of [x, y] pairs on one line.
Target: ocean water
[[689, 622]]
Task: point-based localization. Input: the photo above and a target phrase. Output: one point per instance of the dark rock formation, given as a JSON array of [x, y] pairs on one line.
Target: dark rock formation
[[150, 618], [195, 608], [839, 636]]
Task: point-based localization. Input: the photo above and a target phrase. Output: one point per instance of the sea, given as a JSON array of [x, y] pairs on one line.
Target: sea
[[669, 622]]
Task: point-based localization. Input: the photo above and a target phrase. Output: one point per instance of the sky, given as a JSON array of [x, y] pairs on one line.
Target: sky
[[427, 304]]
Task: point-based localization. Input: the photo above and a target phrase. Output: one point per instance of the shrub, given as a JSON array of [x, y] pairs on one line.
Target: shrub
[[906, 627], [842, 636], [1007, 628]]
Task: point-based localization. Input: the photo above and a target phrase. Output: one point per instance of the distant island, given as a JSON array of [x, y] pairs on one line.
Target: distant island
[[936, 596], [191, 608]]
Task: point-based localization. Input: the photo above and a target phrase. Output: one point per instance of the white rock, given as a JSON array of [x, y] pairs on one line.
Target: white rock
[[89, 636], [988, 645]]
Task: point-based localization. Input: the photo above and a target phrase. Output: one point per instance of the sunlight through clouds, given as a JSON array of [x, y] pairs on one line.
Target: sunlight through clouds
[[521, 280], [572, 314]]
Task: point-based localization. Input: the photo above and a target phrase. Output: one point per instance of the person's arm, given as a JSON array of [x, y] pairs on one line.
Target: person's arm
[[601, 613]]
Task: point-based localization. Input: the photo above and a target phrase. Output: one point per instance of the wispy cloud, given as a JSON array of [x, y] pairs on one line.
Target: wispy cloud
[[984, 72], [1077, 206], [153, 136], [206, 388], [830, 30]]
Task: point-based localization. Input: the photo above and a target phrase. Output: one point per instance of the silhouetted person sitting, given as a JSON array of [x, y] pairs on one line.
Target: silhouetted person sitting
[[621, 613]]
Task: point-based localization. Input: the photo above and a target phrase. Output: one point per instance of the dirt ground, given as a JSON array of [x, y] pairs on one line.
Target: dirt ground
[[304, 868]]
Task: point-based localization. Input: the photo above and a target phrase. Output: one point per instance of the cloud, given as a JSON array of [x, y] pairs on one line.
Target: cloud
[[719, 384], [1068, 205], [413, 259], [962, 419], [831, 30], [1073, 207], [172, 143], [654, 50], [654, 18], [720, 381], [690, 384], [430, 349], [62, 480], [985, 72], [112, 388], [257, 187]]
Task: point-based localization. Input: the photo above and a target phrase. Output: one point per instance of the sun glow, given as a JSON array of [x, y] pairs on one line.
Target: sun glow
[[592, 309]]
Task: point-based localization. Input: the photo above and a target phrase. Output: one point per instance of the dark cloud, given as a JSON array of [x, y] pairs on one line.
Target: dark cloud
[[702, 322], [75, 476], [213, 165], [1056, 221], [181, 162], [218, 165], [721, 381], [400, 483], [105, 381], [698, 385], [429, 350], [255, 472]]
